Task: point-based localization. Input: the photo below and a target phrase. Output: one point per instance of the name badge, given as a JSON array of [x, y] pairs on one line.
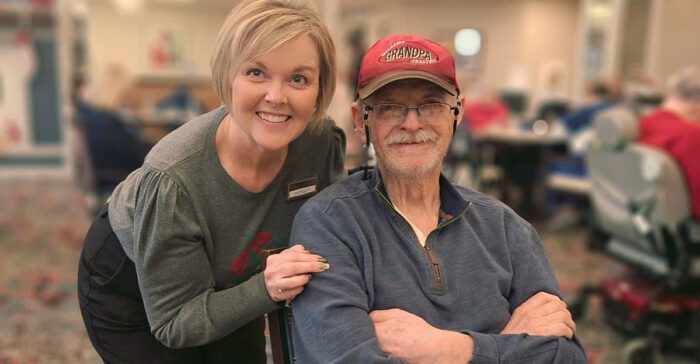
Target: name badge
[[303, 188]]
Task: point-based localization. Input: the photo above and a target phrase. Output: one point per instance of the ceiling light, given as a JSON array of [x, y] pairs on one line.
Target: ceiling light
[[467, 42]]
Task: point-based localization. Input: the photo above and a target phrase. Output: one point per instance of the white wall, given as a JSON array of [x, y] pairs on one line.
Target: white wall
[[114, 37], [520, 38], [549, 40], [677, 27]]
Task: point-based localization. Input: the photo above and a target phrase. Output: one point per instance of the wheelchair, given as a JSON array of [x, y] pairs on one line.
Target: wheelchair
[[641, 217]]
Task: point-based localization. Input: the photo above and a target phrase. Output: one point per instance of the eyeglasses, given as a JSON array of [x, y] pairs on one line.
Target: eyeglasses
[[393, 114]]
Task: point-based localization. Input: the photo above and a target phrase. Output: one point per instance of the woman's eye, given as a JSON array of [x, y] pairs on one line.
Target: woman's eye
[[299, 79], [254, 72]]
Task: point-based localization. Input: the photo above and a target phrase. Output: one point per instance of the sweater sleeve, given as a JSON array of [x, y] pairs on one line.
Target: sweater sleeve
[[531, 274], [174, 273], [331, 320]]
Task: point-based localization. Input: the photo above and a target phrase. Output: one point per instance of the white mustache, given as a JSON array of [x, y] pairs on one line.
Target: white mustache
[[421, 136]]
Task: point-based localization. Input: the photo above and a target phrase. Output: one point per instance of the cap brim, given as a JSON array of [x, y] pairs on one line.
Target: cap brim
[[388, 78]]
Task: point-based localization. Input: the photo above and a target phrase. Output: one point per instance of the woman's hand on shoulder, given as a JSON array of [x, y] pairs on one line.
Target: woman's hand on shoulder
[[286, 273]]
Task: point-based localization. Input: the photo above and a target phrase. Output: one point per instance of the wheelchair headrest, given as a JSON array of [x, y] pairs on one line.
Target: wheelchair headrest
[[616, 127]]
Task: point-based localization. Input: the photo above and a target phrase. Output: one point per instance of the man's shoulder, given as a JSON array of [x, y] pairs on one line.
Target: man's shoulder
[[352, 188], [664, 122], [478, 198], [656, 116], [485, 207], [349, 188]]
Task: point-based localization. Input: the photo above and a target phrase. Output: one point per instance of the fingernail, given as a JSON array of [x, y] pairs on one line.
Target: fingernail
[[322, 260], [309, 276], [325, 266]]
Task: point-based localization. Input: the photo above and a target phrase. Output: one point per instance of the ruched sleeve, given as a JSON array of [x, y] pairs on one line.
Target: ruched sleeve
[[175, 274]]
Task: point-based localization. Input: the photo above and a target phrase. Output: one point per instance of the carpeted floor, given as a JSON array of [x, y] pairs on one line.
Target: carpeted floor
[[42, 226]]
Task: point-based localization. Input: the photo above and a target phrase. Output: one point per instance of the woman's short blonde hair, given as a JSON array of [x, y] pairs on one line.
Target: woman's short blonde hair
[[255, 27]]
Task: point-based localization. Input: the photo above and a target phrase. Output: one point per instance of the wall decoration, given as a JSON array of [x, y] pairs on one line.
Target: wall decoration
[[167, 49]]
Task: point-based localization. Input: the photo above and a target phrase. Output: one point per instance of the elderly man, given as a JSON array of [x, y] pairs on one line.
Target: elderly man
[[421, 271], [675, 128]]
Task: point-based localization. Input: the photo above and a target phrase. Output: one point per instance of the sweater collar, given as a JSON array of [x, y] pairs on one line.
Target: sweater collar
[[452, 204]]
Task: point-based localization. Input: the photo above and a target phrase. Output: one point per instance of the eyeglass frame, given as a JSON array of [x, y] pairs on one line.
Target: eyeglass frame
[[368, 108]]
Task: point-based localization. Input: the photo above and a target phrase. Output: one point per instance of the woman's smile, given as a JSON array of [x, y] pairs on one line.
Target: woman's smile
[[273, 118]]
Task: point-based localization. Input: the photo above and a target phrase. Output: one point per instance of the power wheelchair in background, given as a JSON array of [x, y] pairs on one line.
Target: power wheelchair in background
[[641, 217]]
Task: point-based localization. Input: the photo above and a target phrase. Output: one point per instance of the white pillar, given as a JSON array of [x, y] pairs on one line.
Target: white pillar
[[652, 39], [609, 20]]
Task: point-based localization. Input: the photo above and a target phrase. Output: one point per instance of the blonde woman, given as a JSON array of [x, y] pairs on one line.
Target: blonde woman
[[172, 268]]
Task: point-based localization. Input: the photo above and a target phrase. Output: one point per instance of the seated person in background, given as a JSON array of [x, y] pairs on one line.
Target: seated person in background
[[484, 112], [114, 146], [675, 128], [180, 104], [601, 94], [421, 270]]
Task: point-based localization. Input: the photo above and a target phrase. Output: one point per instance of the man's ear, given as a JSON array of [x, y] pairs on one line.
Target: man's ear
[[461, 99], [357, 112]]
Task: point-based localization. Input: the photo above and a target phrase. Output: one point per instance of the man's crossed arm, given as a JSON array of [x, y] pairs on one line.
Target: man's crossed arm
[[408, 337]]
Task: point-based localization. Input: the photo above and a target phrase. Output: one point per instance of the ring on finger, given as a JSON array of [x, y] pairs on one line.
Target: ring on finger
[[279, 290]]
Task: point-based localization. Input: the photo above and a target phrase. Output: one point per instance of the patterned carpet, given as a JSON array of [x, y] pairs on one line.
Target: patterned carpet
[[42, 226]]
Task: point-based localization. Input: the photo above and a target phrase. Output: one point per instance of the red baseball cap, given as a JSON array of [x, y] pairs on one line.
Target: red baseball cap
[[406, 56]]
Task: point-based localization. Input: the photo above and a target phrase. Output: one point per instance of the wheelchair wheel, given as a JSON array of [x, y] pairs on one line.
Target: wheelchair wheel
[[641, 351]]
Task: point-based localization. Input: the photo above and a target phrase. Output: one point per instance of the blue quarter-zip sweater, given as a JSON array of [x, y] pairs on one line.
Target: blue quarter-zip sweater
[[478, 265]]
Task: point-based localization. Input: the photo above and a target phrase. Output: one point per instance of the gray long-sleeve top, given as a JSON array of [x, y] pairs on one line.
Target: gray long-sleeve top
[[480, 263], [195, 235]]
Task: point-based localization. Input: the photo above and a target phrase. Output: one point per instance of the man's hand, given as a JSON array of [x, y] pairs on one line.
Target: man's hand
[[542, 314], [408, 337]]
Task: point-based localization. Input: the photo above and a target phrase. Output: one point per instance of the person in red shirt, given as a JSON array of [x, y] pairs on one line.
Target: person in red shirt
[[484, 112], [675, 128]]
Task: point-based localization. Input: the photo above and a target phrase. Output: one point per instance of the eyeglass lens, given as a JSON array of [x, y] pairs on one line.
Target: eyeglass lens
[[395, 113]]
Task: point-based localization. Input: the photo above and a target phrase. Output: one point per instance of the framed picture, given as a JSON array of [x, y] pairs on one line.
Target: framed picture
[[167, 49]]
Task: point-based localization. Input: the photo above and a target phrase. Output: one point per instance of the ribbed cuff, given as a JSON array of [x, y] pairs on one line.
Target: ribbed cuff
[[486, 349]]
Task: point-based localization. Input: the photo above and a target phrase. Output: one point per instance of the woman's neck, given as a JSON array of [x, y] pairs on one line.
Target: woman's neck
[[251, 166]]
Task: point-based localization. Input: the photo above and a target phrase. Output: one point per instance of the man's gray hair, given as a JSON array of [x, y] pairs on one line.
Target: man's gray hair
[[685, 84]]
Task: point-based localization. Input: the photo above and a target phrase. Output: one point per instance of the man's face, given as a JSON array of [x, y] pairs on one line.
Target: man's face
[[411, 147]]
